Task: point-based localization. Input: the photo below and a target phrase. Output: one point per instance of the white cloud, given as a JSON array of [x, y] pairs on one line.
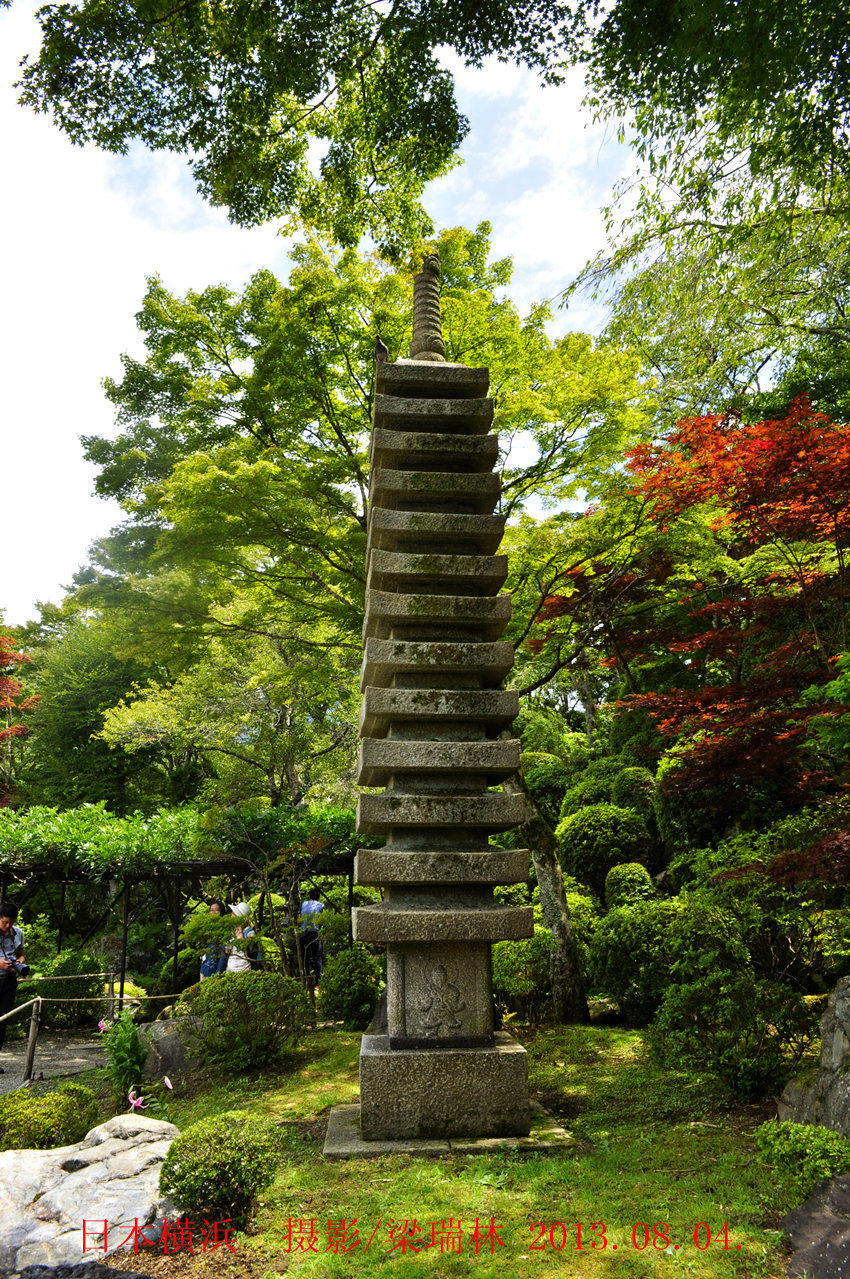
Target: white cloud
[[82, 230]]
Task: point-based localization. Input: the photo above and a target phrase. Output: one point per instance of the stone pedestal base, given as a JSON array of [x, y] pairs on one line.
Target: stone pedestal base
[[455, 1092]]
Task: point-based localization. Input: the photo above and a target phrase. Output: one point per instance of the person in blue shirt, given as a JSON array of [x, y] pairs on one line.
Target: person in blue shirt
[[214, 961], [309, 941]]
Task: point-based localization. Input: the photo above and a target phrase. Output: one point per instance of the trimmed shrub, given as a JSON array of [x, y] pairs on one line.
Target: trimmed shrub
[[350, 987], [627, 884], [248, 1019], [547, 778], [633, 789], [749, 1033], [598, 837], [631, 954], [58, 1118], [521, 973], [807, 1153], [218, 1167], [592, 786]]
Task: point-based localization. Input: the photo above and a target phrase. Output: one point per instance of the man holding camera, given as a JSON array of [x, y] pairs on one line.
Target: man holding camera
[[12, 963]]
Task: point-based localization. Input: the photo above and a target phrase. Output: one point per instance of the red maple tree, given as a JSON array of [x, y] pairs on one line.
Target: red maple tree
[[12, 704]]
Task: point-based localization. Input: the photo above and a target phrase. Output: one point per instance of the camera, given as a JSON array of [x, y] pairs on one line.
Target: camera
[[23, 970]]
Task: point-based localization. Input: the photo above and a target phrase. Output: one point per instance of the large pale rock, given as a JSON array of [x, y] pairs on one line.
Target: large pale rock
[[823, 1096], [111, 1175]]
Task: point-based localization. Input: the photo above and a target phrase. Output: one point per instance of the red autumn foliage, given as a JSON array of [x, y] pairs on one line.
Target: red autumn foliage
[[730, 655], [11, 704]]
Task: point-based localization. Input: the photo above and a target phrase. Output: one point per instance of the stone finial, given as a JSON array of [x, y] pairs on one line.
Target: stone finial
[[427, 341]]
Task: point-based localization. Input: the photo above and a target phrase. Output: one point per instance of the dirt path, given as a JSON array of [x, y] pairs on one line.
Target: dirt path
[[56, 1055]]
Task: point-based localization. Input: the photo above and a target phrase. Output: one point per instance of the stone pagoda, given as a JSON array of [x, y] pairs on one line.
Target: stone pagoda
[[433, 736]]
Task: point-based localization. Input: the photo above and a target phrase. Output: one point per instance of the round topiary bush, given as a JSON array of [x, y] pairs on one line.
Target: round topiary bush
[[53, 1119], [598, 837], [218, 1167], [631, 951], [547, 778], [633, 789], [350, 987], [628, 883], [248, 1019]]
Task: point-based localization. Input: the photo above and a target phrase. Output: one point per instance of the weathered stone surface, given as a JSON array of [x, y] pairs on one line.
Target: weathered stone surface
[[380, 759], [440, 995], [436, 413], [473, 494], [382, 708], [85, 1270], [461, 1092], [173, 1047], [112, 1175], [823, 1096], [378, 814], [409, 378], [819, 1233], [398, 530], [426, 449], [490, 866], [385, 659], [408, 571], [385, 923], [389, 612]]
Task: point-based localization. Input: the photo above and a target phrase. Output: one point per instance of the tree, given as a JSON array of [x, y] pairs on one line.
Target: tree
[[720, 645], [12, 706], [246, 88]]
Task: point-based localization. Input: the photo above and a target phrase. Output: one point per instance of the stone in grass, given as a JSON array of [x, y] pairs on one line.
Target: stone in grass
[[83, 1270], [819, 1233]]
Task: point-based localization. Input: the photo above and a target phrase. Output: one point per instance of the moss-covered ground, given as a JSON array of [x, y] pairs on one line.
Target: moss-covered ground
[[662, 1161]]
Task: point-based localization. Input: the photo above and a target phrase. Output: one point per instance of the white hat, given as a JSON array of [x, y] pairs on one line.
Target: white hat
[[241, 908]]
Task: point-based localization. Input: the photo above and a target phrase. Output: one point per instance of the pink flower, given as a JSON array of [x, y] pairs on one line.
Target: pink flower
[[103, 1025], [168, 1083], [136, 1103]]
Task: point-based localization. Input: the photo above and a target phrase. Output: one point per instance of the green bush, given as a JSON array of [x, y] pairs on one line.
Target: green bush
[[218, 1167], [633, 789], [807, 1153], [521, 973], [598, 837], [631, 954], [89, 988], [627, 884], [350, 987], [248, 1019], [547, 778], [584, 917], [593, 785], [60, 1118], [748, 1033], [126, 1051]]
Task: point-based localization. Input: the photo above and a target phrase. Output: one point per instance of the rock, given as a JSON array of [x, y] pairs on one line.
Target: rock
[[819, 1233], [823, 1096], [85, 1270], [111, 1175], [172, 1046]]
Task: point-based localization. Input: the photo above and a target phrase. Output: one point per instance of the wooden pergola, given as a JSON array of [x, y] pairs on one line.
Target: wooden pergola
[[174, 884]]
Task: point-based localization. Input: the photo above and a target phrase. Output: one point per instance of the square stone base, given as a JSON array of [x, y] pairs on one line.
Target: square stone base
[[443, 1092]]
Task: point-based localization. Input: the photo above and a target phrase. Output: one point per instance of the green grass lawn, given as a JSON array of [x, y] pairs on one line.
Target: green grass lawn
[[650, 1147]]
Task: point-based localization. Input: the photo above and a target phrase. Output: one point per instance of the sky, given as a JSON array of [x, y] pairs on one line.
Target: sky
[[82, 231]]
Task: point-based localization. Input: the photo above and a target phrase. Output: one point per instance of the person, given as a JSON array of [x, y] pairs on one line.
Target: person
[[214, 961], [309, 941], [237, 960], [12, 963]]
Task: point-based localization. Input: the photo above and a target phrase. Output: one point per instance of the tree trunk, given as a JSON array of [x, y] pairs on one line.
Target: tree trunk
[[568, 998]]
